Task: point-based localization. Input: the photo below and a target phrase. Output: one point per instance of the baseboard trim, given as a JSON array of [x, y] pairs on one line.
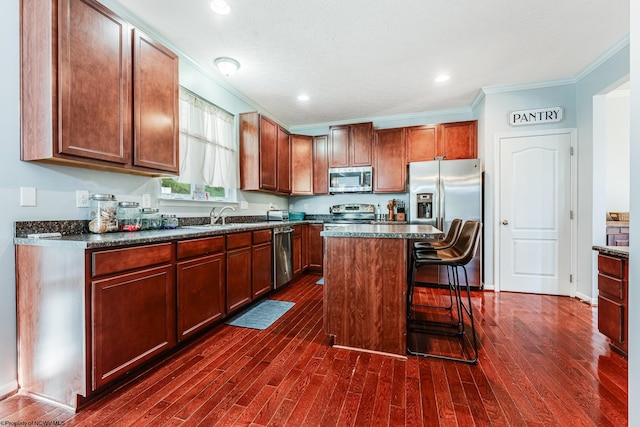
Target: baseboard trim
[[8, 389], [586, 299]]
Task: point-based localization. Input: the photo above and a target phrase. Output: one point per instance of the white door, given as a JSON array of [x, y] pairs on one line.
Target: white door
[[535, 209]]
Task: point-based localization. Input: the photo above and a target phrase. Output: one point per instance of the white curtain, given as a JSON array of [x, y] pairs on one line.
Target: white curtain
[[208, 153]]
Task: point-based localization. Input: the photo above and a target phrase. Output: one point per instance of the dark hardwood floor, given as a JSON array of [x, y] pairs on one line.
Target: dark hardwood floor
[[542, 363]]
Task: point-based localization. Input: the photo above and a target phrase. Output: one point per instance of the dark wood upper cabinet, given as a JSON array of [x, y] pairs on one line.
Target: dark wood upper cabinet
[[265, 155], [458, 140], [421, 143], [320, 164], [284, 161], [79, 77], [302, 165], [350, 145], [389, 167], [155, 105]]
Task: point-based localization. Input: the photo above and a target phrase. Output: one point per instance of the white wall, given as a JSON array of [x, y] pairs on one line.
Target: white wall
[[495, 109], [617, 143], [634, 242]]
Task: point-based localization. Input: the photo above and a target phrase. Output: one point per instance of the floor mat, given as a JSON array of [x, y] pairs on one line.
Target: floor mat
[[261, 315]]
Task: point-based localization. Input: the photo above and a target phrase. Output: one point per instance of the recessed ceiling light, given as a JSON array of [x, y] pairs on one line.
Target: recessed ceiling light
[[442, 78], [220, 7], [227, 66], [303, 97]]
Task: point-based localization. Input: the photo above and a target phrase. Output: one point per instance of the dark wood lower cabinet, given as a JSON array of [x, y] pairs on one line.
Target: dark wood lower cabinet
[[239, 290], [613, 305], [200, 284], [133, 319], [315, 245], [262, 269]]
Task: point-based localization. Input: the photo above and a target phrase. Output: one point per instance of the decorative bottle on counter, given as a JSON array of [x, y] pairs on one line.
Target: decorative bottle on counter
[[129, 216], [150, 219], [103, 213]]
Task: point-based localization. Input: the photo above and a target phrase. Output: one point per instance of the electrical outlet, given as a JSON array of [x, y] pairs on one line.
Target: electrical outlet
[[244, 205], [146, 200], [27, 196], [305, 206], [82, 199], [272, 206]]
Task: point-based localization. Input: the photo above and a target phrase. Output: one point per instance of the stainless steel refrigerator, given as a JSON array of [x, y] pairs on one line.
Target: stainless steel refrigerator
[[440, 191]]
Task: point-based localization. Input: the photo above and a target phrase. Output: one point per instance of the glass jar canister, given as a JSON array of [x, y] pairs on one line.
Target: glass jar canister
[[129, 216], [103, 213], [169, 221], [150, 219]]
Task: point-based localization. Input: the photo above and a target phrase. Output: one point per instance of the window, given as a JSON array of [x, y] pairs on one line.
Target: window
[[208, 153]]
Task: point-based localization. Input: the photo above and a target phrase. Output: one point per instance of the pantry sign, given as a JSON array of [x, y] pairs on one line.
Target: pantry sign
[[535, 117]]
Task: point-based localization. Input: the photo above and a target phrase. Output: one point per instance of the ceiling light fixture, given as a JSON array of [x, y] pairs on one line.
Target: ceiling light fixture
[[303, 97], [227, 66], [442, 78], [220, 7]]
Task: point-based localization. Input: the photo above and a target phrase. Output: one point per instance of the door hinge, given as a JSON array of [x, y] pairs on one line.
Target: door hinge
[[571, 278], [571, 151], [571, 214]]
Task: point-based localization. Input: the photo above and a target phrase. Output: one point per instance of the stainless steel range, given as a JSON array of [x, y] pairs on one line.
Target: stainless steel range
[[350, 213]]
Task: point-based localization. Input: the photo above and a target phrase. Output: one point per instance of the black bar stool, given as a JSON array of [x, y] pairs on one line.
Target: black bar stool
[[447, 242], [455, 257]]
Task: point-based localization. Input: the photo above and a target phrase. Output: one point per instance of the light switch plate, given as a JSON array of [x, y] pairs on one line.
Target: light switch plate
[[82, 199], [27, 196], [146, 200]]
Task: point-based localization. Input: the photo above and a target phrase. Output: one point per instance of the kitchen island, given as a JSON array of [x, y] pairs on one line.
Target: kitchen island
[[365, 285]]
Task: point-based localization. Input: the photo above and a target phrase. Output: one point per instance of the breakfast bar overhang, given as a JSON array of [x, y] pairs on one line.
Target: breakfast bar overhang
[[365, 285]]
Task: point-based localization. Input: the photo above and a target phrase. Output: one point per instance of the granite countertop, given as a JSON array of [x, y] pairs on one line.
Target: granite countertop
[[385, 231], [93, 241], [619, 251]]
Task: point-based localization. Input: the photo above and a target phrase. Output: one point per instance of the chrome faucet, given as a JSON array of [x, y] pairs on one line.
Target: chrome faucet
[[214, 217]]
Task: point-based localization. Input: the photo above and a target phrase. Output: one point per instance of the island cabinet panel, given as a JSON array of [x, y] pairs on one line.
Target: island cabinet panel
[[301, 165], [133, 320], [155, 105], [239, 288], [201, 280], [320, 164], [350, 145], [316, 245], [613, 303], [389, 161], [81, 84], [365, 291]]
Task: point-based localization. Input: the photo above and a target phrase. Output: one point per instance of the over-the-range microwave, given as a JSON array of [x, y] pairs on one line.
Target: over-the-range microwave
[[351, 180]]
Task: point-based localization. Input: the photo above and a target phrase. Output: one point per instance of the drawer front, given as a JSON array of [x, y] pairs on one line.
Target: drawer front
[[195, 247], [611, 266], [238, 240], [118, 260], [261, 236], [611, 319], [611, 286]]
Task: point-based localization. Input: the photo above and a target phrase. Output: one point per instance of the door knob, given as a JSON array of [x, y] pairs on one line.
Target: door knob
[[505, 222]]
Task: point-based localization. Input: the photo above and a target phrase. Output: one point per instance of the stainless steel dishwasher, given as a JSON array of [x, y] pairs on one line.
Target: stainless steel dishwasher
[[282, 255]]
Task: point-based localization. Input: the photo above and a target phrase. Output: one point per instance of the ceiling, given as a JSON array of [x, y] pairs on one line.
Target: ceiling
[[364, 59]]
